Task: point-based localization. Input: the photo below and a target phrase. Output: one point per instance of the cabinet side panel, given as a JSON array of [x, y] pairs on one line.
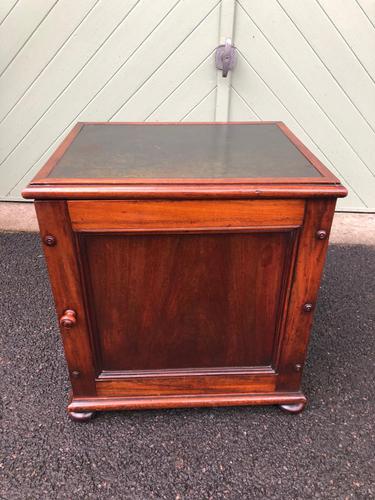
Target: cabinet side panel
[[63, 268], [305, 286]]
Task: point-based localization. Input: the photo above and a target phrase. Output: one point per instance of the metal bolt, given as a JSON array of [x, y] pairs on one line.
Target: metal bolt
[[76, 373], [298, 367], [308, 307], [321, 234], [49, 240]]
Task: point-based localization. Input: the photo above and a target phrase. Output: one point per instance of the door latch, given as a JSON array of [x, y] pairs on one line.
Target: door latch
[[225, 57]]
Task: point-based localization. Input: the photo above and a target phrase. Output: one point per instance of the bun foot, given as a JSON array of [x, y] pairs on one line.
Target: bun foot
[[294, 407], [83, 416]]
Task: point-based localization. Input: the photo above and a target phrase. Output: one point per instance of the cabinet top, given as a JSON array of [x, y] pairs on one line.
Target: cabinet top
[[180, 159]]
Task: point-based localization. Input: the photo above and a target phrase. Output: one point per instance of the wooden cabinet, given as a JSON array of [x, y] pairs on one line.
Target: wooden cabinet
[[185, 262]]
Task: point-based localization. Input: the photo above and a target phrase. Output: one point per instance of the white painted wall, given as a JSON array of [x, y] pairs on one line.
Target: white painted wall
[[310, 64]]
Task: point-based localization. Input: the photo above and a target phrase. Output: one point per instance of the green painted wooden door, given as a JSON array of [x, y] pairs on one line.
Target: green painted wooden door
[[310, 64]]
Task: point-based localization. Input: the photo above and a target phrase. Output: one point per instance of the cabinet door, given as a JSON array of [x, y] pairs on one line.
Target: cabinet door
[[170, 301], [185, 297]]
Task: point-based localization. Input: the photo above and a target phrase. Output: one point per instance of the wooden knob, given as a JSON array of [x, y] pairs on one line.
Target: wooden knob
[[68, 319]]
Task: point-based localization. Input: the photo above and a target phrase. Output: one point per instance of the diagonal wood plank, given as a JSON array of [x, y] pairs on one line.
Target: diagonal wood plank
[[156, 49], [40, 50], [6, 7], [186, 95], [328, 44], [240, 109], [195, 48], [356, 29], [19, 26], [80, 49], [295, 52], [368, 8], [204, 110]]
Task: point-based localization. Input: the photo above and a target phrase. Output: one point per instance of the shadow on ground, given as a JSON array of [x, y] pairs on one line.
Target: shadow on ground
[[227, 453]]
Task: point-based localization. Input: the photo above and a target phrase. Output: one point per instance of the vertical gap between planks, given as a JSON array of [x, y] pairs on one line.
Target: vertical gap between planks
[[226, 30]]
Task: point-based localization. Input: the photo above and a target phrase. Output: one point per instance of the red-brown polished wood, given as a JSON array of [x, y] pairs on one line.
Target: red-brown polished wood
[[185, 301], [184, 291], [63, 267], [164, 215]]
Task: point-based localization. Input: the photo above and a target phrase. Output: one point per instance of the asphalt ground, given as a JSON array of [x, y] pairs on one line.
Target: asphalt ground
[[328, 451]]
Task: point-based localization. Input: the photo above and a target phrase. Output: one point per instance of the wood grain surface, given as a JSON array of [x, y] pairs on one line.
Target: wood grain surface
[[159, 215], [185, 301]]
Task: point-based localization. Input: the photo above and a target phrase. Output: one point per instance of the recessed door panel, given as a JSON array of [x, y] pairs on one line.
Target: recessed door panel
[[166, 301]]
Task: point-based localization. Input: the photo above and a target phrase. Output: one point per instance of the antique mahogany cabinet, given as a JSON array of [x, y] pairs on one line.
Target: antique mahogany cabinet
[[184, 261]]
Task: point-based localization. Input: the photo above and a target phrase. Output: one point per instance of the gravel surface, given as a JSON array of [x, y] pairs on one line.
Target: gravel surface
[[228, 453]]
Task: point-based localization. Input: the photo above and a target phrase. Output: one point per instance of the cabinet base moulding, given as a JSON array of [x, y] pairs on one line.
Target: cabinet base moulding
[[148, 403]]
